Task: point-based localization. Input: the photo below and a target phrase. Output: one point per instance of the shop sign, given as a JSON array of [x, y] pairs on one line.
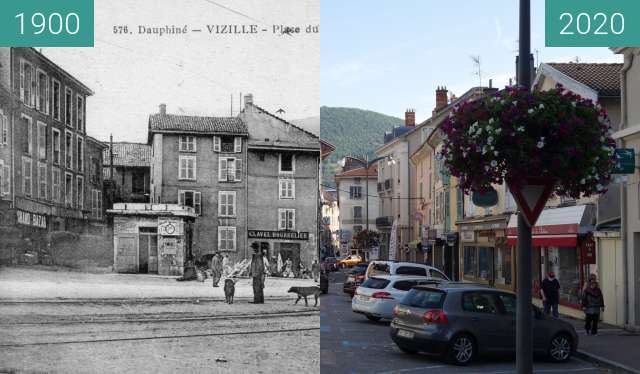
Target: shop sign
[[588, 248], [31, 219], [289, 235], [170, 246], [169, 227], [487, 234], [451, 239], [467, 236]]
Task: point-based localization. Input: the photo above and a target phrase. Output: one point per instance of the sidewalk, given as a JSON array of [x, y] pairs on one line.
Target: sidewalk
[[26, 284], [613, 347]]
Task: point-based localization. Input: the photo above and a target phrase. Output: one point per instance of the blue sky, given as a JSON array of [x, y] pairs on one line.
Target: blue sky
[[390, 55]]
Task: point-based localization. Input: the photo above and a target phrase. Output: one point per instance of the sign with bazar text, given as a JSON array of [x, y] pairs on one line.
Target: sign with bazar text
[[31, 219], [290, 235]]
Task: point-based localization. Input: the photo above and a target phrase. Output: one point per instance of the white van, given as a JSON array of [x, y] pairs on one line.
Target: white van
[[379, 267]]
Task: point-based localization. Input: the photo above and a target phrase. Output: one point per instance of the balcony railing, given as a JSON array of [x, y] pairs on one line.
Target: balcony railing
[[384, 222]]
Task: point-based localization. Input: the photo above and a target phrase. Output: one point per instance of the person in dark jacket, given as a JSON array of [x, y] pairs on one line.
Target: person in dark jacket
[[592, 304], [216, 268], [550, 294], [257, 273]]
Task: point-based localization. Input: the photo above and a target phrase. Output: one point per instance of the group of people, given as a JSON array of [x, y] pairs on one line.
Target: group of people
[[592, 300]]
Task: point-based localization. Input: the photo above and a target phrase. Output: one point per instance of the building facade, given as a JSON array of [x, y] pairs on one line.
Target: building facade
[[131, 171], [199, 162], [47, 184], [283, 166]]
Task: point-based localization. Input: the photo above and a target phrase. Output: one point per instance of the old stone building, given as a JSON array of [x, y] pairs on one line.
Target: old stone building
[[131, 171], [283, 164], [199, 162]]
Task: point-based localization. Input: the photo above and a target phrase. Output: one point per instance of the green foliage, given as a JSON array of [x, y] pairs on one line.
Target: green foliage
[[353, 132]]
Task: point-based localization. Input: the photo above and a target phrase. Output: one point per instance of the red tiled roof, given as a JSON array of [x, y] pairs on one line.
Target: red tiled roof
[[359, 172], [604, 78], [206, 125]]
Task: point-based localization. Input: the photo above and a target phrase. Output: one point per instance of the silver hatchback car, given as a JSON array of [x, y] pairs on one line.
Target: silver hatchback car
[[460, 321]]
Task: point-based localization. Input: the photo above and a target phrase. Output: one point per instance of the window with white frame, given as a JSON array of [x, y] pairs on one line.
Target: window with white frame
[[27, 83], [80, 154], [26, 176], [226, 203], [287, 163], [68, 149], [96, 204], [287, 189], [80, 191], [42, 141], [68, 189], [226, 238], [5, 180], [227, 144], [55, 146], [42, 180], [42, 91], [68, 107], [192, 199], [27, 134], [187, 143], [237, 144], [80, 113], [187, 167], [56, 100], [229, 169], [355, 192], [286, 219], [4, 128], [55, 184]]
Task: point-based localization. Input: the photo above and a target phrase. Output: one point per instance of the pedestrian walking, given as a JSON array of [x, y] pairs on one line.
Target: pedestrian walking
[[592, 304], [592, 278], [288, 271], [216, 268], [257, 273], [550, 291], [315, 270]]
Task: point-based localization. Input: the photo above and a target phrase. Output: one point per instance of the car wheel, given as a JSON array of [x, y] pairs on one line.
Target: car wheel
[[373, 318], [406, 350], [560, 348], [462, 350]]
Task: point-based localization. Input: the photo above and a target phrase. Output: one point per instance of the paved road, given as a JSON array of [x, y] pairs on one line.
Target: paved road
[[158, 337], [352, 344]]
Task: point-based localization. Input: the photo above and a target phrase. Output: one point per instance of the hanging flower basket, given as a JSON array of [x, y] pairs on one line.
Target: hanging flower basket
[[517, 134]]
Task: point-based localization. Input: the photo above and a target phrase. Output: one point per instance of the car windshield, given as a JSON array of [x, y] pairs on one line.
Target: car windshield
[[375, 283], [411, 270], [424, 299], [379, 269]]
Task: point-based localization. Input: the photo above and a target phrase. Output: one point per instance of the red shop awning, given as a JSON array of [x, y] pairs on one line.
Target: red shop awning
[[556, 227]]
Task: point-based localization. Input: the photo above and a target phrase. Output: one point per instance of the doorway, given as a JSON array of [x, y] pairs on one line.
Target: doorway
[[291, 251], [148, 250]]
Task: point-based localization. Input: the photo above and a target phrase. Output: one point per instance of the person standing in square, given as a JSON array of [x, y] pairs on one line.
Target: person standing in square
[[257, 273], [550, 291], [592, 304]]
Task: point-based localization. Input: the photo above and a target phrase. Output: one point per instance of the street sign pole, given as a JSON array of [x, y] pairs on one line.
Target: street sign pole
[[524, 319]]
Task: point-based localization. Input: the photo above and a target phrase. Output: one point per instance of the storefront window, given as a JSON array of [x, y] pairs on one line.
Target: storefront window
[[485, 263], [470, 261], [564, 262], [503, 266]]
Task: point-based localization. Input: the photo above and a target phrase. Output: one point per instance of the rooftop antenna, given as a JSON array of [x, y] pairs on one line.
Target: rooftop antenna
[[537, 52], [231, 106], [478, 72]]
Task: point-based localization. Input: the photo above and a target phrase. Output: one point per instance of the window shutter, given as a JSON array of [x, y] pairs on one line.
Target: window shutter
[[5, 130], [233, 232], [222, 200], [222, 169], [282, 219], [47, 98], [181, 197], [238, 176], [181, 143], [237, 144], [231, 204], [281, 189], [292, 217], [22, 81], [34, 81], [216, 144], [197, 202], [219, 237]]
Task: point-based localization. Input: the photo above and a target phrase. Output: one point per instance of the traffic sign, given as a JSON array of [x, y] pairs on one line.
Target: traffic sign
[[626, 163], [531, 196]]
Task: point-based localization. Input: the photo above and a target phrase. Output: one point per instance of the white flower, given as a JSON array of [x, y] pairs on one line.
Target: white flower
[[486, 168], [495, 153], [515, 102], [502, 102], [541, 106], [479, 131], [530, 111], [489, 140], [521, 128], [494, 163], [492, 148], [574, 103], [464, 154], [599, 187], [540, 144], [484, 150], [491, 120], [498, 130], [582, 181]]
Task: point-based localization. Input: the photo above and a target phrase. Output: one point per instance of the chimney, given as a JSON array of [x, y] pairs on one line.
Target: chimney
[[441, 98], [490, 83], [410, 117], [163, 109], [248, 100]]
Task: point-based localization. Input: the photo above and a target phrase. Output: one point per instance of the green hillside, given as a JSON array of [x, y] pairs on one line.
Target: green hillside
[[352, 131]]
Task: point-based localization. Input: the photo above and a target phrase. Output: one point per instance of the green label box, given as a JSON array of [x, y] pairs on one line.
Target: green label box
[[592, 23], [46, 23]]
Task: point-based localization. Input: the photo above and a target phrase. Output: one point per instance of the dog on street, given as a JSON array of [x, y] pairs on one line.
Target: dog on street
[[303, 292]]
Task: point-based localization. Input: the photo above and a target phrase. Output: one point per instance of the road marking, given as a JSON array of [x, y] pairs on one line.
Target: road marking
[[534, 370], [411, 369]]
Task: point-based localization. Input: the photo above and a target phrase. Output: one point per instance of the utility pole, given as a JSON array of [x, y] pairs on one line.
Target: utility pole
[[366, 181], [524, 310]]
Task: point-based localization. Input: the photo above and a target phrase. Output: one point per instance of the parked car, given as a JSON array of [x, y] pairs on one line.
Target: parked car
[[354, 278], [377, 296], [330, 264], [462, 321], [350, 261], [324, 281], [380, 267]]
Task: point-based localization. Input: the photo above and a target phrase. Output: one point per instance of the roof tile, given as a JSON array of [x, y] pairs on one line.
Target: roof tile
[[604, 78], [196, 124]]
